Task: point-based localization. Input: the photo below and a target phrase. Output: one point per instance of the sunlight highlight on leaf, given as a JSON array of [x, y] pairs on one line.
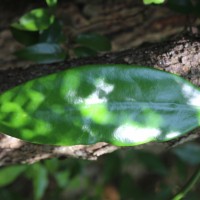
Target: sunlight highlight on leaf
[[171, 135], [192, 95], [132, 133], [119, 104]]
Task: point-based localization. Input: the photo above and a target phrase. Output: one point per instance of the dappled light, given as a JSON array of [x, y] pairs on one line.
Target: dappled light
[[119, 104], [192, 95], [38, 19], [135, 134]]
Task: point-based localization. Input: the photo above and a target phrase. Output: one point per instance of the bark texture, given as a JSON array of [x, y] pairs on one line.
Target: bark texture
[[180, 55]]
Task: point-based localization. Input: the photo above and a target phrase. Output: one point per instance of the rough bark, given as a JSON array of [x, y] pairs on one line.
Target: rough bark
[[180, 56]]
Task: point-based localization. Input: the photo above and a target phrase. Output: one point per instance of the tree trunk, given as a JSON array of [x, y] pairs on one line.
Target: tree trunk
[[180, 56]]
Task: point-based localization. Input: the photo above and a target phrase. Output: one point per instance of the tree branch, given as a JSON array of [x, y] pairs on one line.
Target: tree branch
[[180, 56]]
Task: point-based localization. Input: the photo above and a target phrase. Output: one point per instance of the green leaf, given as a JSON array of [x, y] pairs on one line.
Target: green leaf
[[42, 53], [35, 20], [51, 165], [153, 1], [94, 41], [24, 37], [82, 52], [119, 104], [51, 3], [40, 181], [9, 174], [62, 178], [191, 151], [53, 34]]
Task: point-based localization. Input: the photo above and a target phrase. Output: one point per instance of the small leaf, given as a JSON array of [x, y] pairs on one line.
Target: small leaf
[[51, 3], [35, 20], [25, 37], [9, 174], [40, 181], [62, 178], [52, 165], [84, 52], [119, 104], [53, 34], [153, 1], [42, 53], [94, 41]]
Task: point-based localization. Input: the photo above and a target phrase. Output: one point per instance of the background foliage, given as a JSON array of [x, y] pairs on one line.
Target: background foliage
[[134, 174]]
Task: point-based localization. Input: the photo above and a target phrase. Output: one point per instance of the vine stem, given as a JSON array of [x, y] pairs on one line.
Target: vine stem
[[188, 186]]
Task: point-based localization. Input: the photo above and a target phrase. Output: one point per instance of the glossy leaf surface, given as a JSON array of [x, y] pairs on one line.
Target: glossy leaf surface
[[35, 20], [119, 104], [42, 53], [153, 1], [9, 174], [53, 34]]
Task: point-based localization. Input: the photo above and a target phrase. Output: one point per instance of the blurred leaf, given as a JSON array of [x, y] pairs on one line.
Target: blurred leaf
[[42, 53], [40, 180], [153, 1], [189, 153], [182, 6], [51, 2], [94, 41], [53, 34], [35, 20], [84, 52], [77, 182], [52, 165], [24, 37], [62, 178], [9, 174]]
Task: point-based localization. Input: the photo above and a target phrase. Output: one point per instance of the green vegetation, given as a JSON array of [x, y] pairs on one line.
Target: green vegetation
[[120, 104]]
